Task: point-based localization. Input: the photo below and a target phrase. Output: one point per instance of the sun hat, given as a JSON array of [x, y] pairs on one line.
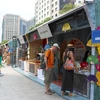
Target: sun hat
[[56, 45], [70, 45]]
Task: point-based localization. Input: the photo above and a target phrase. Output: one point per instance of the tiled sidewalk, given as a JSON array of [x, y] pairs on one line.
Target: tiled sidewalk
[[14, 86], [54, 87]]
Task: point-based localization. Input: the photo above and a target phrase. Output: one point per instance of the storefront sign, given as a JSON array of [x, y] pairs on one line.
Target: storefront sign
[[96, 36], [21, 39], [44, 31]]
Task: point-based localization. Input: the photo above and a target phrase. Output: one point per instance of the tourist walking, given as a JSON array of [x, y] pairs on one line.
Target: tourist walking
[[48, 71]]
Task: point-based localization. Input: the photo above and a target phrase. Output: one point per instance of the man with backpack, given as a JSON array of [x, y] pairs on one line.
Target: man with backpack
[[48, 71]]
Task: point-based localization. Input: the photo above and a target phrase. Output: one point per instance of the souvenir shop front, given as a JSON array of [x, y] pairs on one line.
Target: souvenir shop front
[[37, 39], [74, 28]]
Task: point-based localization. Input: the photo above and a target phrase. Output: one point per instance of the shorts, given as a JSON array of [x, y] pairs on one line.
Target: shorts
[[48, 76]]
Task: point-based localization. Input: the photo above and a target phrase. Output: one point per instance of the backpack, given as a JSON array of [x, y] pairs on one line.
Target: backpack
[[42, 66]]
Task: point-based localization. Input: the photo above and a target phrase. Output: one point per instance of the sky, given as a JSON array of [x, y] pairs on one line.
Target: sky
[[23, 8]]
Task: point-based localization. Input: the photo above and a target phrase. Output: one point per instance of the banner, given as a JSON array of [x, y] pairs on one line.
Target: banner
[[44, 31]]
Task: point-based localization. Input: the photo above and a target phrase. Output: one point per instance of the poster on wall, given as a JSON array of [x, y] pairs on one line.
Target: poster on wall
[[79, 49], [44, 31]]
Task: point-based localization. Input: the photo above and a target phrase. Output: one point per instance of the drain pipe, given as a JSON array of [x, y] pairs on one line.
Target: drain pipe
[[92, 73]]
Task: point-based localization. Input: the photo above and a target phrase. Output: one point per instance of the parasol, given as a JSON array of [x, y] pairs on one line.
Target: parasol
[[84, 64], [92, 78], [92, 59], [98, 75], [97, 67], [89, 43], [98, 83]]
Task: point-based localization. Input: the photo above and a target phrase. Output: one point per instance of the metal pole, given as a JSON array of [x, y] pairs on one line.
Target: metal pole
[[92, 73]]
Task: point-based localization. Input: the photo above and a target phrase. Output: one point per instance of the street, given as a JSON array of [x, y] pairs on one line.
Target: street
[[14, 86]]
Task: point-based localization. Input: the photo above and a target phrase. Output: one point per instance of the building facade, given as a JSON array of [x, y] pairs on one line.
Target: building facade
[[51, 8], [10, 26], [13, 25], [46, 8], [30, 23], [23, 26], [79, 2]]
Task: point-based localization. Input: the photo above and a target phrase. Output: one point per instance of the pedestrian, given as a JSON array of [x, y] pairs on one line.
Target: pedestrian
[[48, 71], [8, 58], [68, 75], [0, 61]]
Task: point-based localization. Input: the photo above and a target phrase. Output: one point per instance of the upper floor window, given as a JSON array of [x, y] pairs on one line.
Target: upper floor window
[[47, 2], [55, 9], [56, 3], [52, 5], [55, 15], [47, 7], [47, 13]]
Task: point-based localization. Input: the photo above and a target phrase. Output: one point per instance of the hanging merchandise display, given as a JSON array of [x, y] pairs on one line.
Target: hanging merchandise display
[[98, 77], [98, 58], [84, 64], [89, 43], [92, 78], [98, 83], [92, 59], [98, 48], [78, 65], [97, 67]]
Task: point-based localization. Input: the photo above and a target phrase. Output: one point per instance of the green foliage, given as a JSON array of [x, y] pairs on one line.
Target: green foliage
[[44, 21], [66, 8], [4, 42]]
